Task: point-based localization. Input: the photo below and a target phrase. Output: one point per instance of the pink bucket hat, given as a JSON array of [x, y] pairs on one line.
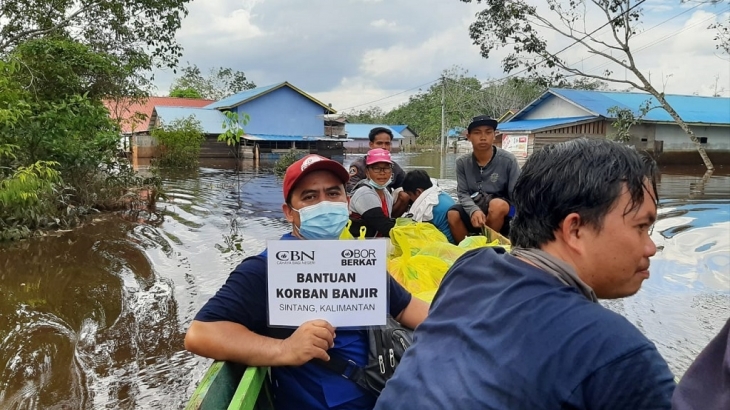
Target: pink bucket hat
[[378, 155]]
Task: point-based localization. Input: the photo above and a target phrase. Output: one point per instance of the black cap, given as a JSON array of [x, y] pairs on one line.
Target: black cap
[[482, 120]]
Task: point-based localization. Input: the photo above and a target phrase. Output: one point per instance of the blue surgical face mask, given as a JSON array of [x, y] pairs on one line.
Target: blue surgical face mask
[[377, 185], [324, 220]]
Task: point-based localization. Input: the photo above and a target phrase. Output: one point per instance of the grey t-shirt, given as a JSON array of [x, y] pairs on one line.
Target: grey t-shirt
[[366, 198], [498, 177]]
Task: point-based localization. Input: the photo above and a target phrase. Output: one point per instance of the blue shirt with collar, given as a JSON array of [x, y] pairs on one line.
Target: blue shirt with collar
[[243, 299]]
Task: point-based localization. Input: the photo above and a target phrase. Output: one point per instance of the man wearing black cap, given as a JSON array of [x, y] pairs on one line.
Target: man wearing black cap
[[485, 181]]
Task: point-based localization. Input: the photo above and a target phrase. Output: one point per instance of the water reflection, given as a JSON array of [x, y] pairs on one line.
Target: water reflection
[[95, 318]]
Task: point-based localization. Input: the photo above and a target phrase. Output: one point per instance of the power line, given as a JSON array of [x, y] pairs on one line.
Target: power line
[[510, 75], [392, 95], [643, 32], [662, 39]]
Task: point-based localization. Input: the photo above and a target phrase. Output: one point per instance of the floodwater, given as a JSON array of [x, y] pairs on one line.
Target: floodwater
[[95, 318]]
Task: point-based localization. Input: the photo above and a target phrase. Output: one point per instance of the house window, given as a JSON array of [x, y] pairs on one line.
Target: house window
[[644, 140], [703, 140]]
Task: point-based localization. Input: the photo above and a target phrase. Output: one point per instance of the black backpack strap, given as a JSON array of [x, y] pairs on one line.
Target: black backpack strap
[[345, 368]]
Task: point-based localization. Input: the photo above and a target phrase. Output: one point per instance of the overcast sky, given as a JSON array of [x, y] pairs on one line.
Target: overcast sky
[[360, 53]]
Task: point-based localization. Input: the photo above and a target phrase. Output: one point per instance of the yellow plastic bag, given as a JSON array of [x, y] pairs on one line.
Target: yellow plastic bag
[[426, 296], [409, 237], [418, 273], [346, 235]]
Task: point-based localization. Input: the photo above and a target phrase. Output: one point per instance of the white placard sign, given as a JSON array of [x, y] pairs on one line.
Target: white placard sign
[[342, 282], [516, 144]]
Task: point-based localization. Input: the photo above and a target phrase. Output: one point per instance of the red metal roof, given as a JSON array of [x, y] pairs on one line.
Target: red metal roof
[[135, 115]]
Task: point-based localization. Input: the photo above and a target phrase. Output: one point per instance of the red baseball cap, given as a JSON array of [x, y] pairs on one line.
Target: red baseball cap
[[311, 163]]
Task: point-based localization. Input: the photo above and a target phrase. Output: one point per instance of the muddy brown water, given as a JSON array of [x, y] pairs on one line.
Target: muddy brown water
[[95, 318]]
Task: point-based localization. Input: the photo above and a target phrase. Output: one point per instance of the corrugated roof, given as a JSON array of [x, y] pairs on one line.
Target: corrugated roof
[[210, 120], [693, 109], [130, 113], [245, 96], [289, 138], [361, 131], [270, 137], [541, 124], [398, 128]]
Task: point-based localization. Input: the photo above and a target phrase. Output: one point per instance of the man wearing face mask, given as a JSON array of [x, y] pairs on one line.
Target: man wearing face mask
[[233, 324]]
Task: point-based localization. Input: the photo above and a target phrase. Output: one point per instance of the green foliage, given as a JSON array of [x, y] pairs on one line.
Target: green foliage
[[285, 161], [179, 142], [58, 146], [185, 93], [140, 32], [624, 119], [218, 84], [233, 128], [465, 98]]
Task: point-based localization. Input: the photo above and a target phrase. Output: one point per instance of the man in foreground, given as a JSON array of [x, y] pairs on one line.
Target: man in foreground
[[485, 179], [233, 324], [381, 137], [526, 331]]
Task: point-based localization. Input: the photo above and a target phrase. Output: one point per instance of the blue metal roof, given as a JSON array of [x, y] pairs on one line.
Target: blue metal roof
[[538, 125], [269, 137], [210, 120], [455, 132], [693, 109], [248, 95], [361, 131], [398, 128]]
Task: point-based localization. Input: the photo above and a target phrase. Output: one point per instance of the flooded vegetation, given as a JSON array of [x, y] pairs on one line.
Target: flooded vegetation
[[95, 317]]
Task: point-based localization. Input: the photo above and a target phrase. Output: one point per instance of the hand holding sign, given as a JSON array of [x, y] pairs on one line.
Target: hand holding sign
[[310, 341]]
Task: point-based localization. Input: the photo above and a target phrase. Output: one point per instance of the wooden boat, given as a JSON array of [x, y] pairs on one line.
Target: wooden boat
[[232, 386]]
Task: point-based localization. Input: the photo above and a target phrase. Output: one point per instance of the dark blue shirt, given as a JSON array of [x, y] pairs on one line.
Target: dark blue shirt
[[243, 299], [502, 334]]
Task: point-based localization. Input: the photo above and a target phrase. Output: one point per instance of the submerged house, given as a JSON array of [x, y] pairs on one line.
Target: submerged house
[[281, 118], [137, 117], [359, 142], [562, 114], [409, 136]]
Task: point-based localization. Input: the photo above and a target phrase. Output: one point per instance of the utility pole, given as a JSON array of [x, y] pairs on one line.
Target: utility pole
[[443, 114]]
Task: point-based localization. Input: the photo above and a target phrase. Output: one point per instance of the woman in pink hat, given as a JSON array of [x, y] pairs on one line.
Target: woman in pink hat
[[371, 203]]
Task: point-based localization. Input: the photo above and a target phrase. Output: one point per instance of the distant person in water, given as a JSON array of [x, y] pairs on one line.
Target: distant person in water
[[381, 137], [525, 330], [485, 181], [371, 203], [429, 202]]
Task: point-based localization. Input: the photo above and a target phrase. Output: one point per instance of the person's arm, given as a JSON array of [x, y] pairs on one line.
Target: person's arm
[[375, 219], [638, 380], [399, 175], [414, 314], [409, 311], [514, 173], [234, 342], [462, 187]]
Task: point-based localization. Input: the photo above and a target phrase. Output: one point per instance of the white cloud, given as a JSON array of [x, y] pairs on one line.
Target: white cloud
[[383, 23], [355, 52]]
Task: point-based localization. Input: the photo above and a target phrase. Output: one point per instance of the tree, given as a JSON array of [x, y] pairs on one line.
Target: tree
[[141, 33], [218, 84], [185, 93], [722, 35], [370, 115], [520, 26]]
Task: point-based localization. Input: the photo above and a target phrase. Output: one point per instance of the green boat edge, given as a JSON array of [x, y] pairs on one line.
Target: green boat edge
[[232, 386]]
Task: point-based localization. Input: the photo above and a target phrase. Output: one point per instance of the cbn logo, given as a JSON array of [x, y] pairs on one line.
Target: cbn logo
[[295, 256]]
